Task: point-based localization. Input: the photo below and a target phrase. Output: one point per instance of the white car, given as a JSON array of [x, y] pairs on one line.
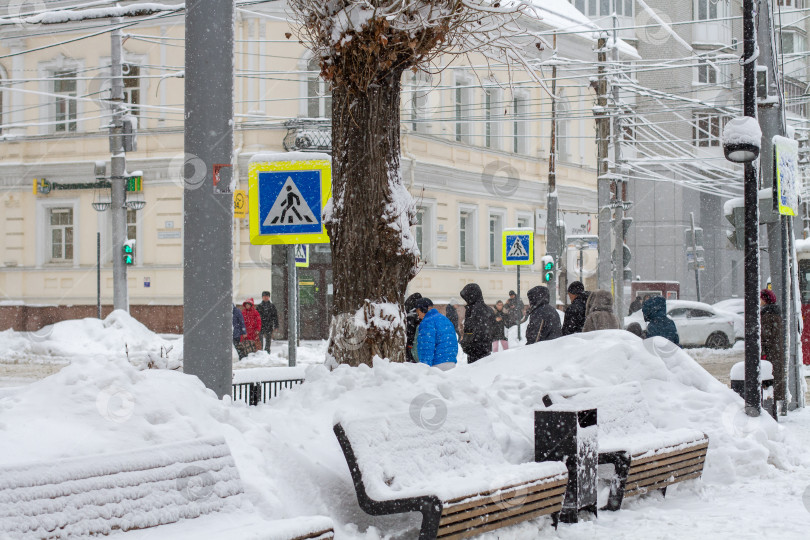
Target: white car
[[698, 324], [736, 307]]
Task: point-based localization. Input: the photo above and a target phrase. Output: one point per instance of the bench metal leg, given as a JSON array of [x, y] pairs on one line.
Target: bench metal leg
[[621, 461], [431, 518]]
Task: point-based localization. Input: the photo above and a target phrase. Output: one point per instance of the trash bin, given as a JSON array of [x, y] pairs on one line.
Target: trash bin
[[737, 377], [570, 436]]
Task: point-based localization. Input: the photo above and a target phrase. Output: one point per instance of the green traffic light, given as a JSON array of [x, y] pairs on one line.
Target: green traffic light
[[548, 266], [548, 276], [127, 259], [127, 248]]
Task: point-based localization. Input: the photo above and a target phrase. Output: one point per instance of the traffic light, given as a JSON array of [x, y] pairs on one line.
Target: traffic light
[[735, 214], [128, 252], [548, 268]]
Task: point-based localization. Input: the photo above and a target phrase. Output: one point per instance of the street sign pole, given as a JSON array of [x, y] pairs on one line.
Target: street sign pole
[[520, 318], [292, 305]]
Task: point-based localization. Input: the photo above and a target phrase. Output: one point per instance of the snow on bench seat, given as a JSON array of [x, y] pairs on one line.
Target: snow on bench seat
[[645, 458], [451, 468], [127, 491]]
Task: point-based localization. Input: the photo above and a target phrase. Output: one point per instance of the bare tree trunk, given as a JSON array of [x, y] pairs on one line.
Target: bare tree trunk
[[370, 269]]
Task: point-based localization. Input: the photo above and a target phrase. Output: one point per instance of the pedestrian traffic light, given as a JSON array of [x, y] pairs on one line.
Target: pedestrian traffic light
[[548, 268], [128, 252], [735, 214]]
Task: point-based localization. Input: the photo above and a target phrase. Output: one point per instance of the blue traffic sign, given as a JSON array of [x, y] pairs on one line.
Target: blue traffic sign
[[518, 246], [290, 202]]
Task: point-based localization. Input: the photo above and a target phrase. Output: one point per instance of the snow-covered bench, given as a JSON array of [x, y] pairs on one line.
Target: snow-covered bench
[[448, 467], [257, 385], [167, 491], [644, 458]]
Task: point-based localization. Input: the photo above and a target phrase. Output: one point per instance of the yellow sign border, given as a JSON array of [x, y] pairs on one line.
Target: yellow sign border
[[324, 166], [517, 232]]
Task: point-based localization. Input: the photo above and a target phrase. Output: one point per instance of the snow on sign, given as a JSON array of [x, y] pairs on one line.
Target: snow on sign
[[286, 196], [518, 246]]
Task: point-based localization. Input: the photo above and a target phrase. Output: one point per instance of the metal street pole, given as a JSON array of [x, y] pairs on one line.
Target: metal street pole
[[694, 250], [208, 209], [552, 248], [602, 179], [618, 223], [518, 297], [118, 169], [98, 274], [751, 250], [292, 305]]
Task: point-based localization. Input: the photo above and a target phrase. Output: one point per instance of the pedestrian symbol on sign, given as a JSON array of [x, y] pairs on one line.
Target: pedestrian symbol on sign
[[290, 207], [518, 250]]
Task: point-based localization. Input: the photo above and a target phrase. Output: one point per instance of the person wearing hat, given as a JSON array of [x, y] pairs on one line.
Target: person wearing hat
[[770, 317], [436, 343], [513, 309], [269, 316], [576, 312]]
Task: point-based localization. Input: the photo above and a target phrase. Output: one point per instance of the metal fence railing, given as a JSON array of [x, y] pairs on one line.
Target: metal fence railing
[[254, 393]]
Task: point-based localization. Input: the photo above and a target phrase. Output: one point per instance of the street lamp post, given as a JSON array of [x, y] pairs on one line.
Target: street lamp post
[[741, 145]]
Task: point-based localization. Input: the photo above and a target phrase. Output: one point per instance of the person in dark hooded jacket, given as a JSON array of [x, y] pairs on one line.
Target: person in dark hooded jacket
[[599, 311], [476, 341], [658, 324], [411, 322], [452, 315], [544, 321], [575, 313]]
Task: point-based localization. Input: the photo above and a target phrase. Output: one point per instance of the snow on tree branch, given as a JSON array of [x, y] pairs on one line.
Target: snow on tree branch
[[358, 41]]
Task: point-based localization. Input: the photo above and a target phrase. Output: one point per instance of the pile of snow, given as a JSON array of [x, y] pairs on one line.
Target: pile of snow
[[117, 336], [291, 464]]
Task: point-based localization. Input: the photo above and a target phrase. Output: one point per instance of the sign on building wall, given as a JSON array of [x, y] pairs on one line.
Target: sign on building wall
[[286, 199], [786, 165], [579, 224], [240, 207]]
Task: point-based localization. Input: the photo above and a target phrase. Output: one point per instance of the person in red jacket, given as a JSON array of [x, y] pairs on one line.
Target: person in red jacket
[[253, 322]]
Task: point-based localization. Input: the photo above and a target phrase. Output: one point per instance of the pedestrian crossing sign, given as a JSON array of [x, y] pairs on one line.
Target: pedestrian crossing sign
[[286, 198], [302, 255], [517, 246]]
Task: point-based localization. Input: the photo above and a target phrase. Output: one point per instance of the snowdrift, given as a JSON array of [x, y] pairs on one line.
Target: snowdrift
[[291, 463], [116, 336]]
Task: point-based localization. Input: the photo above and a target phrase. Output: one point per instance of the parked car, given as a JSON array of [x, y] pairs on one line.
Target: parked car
[[698, 324], [736, 307]]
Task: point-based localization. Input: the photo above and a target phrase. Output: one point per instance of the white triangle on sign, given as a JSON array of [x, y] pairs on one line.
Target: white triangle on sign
[[290, 208], [517, 250]]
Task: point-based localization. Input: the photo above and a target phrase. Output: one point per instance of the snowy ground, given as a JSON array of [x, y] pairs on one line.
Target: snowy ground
[[756, 483]]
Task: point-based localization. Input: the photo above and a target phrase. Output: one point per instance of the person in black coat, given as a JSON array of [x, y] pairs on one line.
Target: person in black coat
[[544, 321], [476, 341], [452, 314], [411, 323], [654, 310], [635, 305], [576, 312], [269, 314], [770, 339]]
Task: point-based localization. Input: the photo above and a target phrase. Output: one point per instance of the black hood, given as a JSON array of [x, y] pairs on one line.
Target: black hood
[[654, 308], [471, 293], [538, 296], [410, 302]]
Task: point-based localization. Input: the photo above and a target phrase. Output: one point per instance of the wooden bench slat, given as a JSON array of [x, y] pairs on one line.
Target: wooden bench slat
[[672, 458], [520, 499], [495, 520], [663, 484], [665, 476], [640, 461], [458, 504], [637, 476]]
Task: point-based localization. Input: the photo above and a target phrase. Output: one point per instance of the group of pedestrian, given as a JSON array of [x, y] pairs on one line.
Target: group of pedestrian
[[253, 325]]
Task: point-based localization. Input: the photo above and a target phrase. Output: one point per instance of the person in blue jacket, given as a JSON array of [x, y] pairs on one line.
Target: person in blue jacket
[[658, 324], [436, 341], [239, 329]]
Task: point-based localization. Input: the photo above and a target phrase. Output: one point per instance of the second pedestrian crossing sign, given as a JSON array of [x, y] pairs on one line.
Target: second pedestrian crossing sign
[[286, 198], [517, 246]]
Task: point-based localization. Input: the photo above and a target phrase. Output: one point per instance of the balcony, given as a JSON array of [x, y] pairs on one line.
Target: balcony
[[308, 135]]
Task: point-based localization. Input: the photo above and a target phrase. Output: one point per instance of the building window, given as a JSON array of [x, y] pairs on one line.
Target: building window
[[518, 124], [795, 100], [495, 234], [319, 96], [419, 84], [487, 117], [419, 232], [132, 87], [707, 129], [706, 71], [466, 237], [64, 87], [594, 8], [132, 224], [61, 234], [709, 10], [563, 130], [461, 103]]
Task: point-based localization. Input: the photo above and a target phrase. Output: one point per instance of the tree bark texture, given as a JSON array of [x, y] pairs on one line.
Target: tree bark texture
[[371, 264]]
